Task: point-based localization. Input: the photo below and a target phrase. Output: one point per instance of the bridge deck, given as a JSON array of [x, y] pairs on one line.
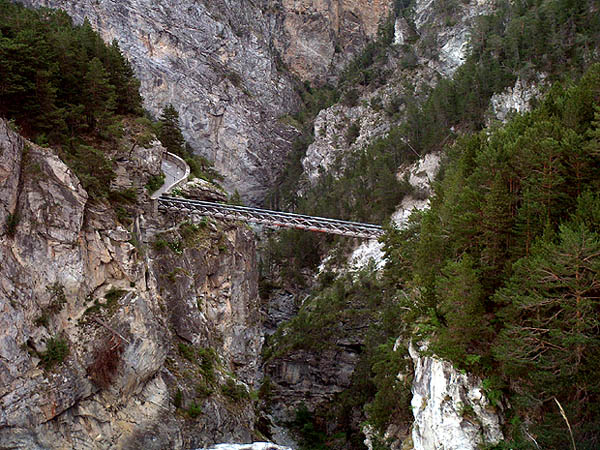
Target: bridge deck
[[270, 218]]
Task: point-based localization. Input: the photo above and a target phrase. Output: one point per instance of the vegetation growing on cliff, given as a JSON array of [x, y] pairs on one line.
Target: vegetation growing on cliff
[[63, 86], [501, 274]]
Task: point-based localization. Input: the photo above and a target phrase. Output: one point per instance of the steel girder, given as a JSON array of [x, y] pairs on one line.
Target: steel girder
[[270, 218]]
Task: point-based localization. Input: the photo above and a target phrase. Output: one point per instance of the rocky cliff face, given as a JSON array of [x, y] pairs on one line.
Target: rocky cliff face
[[157, 317], [215, 63], [315, 38], [451, 408]]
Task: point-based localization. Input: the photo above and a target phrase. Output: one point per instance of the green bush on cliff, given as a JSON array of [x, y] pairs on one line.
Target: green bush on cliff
[[57, 350]]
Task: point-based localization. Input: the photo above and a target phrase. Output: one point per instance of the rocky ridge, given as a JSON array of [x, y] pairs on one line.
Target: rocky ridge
[[169, 305], [428, 43]]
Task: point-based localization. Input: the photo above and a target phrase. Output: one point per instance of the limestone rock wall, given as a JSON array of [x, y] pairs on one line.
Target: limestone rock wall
[[70, 270], [215, 63], [450, 408]]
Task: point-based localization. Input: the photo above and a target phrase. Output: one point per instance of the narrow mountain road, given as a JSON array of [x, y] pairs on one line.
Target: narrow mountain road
[[175, 170]]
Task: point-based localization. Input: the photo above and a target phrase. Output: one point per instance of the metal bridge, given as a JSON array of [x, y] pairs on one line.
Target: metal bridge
[[270, 218]]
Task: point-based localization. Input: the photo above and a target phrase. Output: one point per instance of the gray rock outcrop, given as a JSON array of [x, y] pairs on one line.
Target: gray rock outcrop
[[514, 100], [168, 317]]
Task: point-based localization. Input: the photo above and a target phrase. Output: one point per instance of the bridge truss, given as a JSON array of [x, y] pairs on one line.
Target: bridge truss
[[270, 218]]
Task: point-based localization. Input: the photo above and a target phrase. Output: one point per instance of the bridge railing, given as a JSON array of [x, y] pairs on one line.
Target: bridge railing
[[270, 218]]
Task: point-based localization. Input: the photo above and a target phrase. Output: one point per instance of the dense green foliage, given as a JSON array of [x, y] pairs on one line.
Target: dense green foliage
[[521, 38], [61, 85], [313, 101], [508, 44], [366, 68], [57, 350], [59, 80], [501, 274]]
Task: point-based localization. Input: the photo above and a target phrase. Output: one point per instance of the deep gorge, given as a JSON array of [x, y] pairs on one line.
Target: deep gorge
[[468, 129]]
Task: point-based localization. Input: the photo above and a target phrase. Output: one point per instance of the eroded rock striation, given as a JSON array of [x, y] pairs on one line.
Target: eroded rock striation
[[115, 333]]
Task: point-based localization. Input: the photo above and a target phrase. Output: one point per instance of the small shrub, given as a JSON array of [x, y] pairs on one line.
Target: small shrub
[[178, 399], [235, 78], [57, 350], [176, 246], [466, 411], [155, 182], [234, 391], [194, 410], [265, 390], [187, 351], [42, 320], [207, 359], [304, 425], [203, 389], [353, 133], [160, 244], [123, 215], [57, 296], [11, 224], [128, 195], [351, 97], [57, 301], [113, 296]]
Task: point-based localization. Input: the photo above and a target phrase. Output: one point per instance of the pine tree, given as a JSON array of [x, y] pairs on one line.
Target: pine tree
[[551, 338], [169, 132], [127, 87], [99, 94], [461, 306]]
